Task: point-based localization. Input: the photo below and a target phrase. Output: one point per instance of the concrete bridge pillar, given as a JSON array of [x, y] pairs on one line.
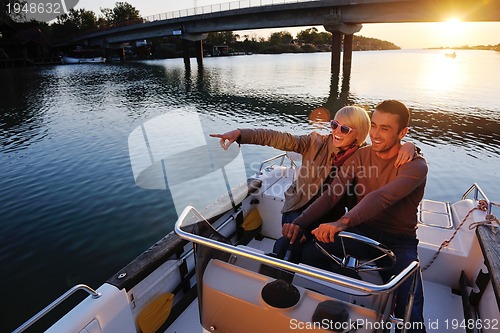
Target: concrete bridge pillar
[[346, 31], [336, 49], [187, 38], [185, 52], [199, 52], [347, 59], [122, 54], [341, 31]]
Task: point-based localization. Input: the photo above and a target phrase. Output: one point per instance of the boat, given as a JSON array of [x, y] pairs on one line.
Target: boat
[[450, 55], [215, 271], [75, 60]]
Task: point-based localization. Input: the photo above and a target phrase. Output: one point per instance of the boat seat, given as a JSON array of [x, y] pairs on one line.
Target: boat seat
[[230, 291]]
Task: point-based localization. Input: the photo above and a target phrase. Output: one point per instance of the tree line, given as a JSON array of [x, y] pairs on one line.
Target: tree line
[[307, 40], [75, 21]]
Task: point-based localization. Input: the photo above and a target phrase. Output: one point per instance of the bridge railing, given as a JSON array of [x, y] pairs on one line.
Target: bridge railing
[[218, 8]]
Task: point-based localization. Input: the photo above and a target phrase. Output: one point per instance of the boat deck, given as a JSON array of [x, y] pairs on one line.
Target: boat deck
[[188, 321]]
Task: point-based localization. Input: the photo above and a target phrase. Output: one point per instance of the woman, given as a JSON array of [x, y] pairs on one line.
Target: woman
[[321, 156]]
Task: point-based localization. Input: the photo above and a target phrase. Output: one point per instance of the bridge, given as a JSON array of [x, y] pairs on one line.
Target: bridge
[[342, 18], [258, 14]]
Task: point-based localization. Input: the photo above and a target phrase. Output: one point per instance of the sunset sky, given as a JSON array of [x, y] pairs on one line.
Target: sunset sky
[[406, 35]]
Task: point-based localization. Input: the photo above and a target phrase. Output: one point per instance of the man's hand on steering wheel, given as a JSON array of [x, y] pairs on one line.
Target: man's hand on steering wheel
[[326, 232]]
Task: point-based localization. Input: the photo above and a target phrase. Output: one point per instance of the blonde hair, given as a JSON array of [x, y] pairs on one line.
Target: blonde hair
[[356, 117]]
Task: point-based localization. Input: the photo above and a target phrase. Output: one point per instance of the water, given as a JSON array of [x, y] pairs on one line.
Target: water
[[70, 211]]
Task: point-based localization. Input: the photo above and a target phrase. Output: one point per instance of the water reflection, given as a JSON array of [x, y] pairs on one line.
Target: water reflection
[[339, 93], [441, 75], [139, 87], [22, 109], [476, 135], [433, 127]]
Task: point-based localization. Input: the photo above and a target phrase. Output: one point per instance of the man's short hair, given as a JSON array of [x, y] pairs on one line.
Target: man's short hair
[[396, 107]]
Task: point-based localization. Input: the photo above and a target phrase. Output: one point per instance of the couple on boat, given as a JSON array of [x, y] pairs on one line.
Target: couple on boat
[[345, 184]]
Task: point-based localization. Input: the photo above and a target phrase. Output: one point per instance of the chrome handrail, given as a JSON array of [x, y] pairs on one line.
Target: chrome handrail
[[58, 301], [477, 190], [310, 271], [282, 156]]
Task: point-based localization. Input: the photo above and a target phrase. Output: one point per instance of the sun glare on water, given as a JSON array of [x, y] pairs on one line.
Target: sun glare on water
[[443, 73]]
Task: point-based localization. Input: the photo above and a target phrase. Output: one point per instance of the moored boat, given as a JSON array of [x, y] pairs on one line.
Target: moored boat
[[75, 60], [212, 274]]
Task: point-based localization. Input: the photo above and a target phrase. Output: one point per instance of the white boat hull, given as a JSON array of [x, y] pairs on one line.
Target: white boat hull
[[73, 60]]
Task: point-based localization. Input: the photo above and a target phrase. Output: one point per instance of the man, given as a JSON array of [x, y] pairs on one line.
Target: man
[[387, 198]]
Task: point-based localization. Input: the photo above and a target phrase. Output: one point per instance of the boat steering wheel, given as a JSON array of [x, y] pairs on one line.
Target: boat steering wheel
[[351, 262]]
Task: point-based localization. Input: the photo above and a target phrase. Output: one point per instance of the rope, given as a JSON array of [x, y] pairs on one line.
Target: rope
[[490, 220]]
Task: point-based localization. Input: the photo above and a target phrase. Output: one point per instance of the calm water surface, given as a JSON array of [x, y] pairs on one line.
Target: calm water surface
[[71, 212]]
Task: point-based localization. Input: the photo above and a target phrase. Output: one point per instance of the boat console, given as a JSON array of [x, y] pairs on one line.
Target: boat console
[[242, 289], [239, 300]]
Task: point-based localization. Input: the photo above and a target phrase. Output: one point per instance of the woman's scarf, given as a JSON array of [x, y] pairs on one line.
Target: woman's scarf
[[341, 156]]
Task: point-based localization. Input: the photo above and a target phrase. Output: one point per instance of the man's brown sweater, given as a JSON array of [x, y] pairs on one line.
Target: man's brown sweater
[[387, 197]]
